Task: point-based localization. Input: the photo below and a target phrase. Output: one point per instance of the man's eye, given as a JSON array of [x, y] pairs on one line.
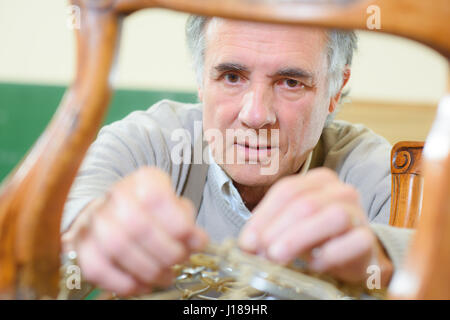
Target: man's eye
[[232, 78], [291, 83]]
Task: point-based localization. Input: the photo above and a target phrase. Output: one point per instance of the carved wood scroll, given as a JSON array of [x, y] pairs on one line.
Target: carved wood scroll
[[407, 184]]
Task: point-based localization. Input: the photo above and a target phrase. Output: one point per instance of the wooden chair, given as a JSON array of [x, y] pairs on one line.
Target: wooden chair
[[33, 196], [407, 184]]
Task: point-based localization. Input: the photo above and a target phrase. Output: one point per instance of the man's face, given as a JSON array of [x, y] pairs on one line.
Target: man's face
[[261, 76]]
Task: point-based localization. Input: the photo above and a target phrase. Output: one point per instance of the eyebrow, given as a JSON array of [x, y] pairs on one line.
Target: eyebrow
[[289, 72], [294, 73], [229, 66]]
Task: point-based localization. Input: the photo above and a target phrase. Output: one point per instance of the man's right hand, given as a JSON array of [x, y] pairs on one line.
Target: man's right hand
[[128, 241]]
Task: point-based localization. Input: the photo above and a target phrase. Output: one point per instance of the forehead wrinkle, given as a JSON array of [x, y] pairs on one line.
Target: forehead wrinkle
[[264, 46], [264, 31], [259, 40]]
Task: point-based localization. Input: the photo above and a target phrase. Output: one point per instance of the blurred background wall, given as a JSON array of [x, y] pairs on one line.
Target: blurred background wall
[[395, 83]]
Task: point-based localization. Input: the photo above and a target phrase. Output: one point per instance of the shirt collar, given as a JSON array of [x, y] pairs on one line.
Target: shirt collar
[[225, 182]]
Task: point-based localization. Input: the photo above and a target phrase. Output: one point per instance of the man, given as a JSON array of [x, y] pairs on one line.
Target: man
[[129, 216]]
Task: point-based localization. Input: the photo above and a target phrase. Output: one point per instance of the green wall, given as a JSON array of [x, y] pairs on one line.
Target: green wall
[[25, 110]]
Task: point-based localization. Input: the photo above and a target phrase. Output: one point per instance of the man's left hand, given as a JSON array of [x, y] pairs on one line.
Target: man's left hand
[[317, 218]]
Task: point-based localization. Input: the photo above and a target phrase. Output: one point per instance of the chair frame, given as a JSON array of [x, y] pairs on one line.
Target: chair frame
[[33, 196]]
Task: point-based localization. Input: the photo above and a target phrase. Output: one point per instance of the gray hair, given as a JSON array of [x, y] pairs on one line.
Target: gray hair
[[341, 45]]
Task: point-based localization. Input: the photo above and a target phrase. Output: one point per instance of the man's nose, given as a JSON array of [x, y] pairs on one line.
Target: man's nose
[[257, 110]]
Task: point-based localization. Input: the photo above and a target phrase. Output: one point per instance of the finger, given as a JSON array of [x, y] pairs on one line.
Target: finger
[[115, 245], [275, 200], [150, 191], [147, 179], [293, 213], [307, 205], [97, 269], [298, 209], [309, 233], [156, 239], [166, 279], [346, 256], [198, 239], [161, 246], [187, 207], [176, 217], [147, 231]]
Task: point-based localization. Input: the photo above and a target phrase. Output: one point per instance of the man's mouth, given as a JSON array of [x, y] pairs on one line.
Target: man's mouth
[[256, 147], [254, 153]]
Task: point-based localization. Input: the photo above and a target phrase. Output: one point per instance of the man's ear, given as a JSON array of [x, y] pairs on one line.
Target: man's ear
[[334, 101]]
